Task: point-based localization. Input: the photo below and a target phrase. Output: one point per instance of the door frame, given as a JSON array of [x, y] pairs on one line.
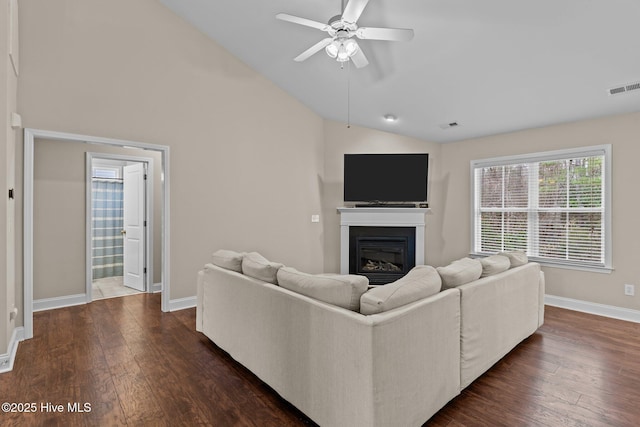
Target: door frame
[[148, 216], [30, 136]]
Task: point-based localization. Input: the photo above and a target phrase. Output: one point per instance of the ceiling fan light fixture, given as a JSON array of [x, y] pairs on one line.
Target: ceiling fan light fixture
[[332, 49], [343, 55], [351, 47]]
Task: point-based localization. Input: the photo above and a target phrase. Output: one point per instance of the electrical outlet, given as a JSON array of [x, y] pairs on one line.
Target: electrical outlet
[[629, 290]]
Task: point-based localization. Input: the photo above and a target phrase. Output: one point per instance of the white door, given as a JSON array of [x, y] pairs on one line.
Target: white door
[[134, 226]]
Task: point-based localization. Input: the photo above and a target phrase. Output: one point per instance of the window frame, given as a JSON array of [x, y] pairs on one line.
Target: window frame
[[596, 150], [116, 171]]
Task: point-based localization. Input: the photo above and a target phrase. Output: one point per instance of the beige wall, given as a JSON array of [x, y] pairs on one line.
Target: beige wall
[[623, 133], [245, 157], [340, 140], [8, 137], [59, 241]]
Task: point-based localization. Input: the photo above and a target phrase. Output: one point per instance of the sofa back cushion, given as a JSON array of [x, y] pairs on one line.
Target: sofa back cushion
[[517, 258], [258, 267], [494, 264], [228, 259], [341, 290], [421, 282], [459, 272]]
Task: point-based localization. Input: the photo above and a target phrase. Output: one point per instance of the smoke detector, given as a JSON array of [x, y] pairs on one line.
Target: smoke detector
[[449, 125]]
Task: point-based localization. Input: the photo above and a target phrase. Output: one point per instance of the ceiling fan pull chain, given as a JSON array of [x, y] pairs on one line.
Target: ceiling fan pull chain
[[348, 94]]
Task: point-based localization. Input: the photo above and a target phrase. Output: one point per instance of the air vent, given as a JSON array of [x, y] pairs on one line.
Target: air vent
[[625, 88]]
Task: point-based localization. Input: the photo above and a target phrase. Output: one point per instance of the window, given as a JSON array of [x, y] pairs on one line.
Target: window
[[106, 172], [554, 206]]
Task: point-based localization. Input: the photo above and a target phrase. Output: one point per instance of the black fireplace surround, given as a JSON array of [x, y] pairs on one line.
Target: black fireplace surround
[[382, 254]]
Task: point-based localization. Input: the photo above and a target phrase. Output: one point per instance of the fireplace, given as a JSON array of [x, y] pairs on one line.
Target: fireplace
[[396, 234], [383, 254]]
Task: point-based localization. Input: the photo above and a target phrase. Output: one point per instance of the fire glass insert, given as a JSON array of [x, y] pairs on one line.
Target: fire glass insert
[[383, 254]]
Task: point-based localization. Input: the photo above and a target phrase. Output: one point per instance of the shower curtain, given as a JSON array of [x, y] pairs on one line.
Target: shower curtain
[[108, 217]]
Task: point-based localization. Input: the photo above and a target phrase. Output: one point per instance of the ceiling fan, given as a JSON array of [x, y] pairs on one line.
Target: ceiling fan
[[341, 29]]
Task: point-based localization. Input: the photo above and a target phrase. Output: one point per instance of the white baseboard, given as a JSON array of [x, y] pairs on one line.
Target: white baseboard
[[7, 359], [182, 303], [59, 302], [156, 287], [593, 308]]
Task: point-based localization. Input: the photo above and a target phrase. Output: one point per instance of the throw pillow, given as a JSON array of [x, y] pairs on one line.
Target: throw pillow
[[228, 259], [494, 264], [258, 267], [341, 290], [459, 272], [517, 258], [421, 282]]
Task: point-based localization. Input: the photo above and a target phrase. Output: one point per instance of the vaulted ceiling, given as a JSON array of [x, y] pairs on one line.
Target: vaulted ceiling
[[489, 66]]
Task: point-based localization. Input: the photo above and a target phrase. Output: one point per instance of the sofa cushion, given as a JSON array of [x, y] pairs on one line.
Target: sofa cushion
[[517, 258], [341, 290], [421, 282], [228, 259], [459, 272], [494, 264], [258, 267]]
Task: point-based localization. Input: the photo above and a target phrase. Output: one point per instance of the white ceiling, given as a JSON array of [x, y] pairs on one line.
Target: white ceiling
[[492, 66]]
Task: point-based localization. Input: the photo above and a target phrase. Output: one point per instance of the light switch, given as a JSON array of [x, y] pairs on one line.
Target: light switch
[[315, 218]]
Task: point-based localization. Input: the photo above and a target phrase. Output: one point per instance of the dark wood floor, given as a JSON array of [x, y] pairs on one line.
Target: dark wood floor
[[138, 366]]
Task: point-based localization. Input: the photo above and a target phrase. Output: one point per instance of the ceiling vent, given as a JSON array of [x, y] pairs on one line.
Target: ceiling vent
[[630, 87]]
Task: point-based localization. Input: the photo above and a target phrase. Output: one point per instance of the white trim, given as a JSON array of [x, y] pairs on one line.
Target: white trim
[[156, 287], [91, 157], [59, 302], [29, 141], [381, 217], [182, 303], [7, 359], [551, 264], [594, 150], [593, 308]]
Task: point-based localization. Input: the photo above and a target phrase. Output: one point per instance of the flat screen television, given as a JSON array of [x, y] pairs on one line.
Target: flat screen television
[[386, 178]]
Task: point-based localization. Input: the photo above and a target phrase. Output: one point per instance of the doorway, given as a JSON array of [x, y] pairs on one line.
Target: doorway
[[30, 135], [120, 215]]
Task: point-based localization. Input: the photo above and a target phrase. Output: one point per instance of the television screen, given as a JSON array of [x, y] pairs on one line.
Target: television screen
[[385, 177]]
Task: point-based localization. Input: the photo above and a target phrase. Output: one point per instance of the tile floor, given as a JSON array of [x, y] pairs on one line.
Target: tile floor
[[110, 287]]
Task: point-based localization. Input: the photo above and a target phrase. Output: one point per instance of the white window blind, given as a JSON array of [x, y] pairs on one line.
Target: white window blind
[[551, 205]]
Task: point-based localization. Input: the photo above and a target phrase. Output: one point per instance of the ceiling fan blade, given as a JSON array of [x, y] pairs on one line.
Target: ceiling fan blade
[[359, 59], [302, 21], [313, 49], [353, 10], [391, 34]]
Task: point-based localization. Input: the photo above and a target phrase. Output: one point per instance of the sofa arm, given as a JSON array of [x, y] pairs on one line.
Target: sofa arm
[[199, 302]]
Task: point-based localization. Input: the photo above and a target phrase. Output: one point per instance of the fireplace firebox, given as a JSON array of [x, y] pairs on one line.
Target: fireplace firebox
[[382, 254]]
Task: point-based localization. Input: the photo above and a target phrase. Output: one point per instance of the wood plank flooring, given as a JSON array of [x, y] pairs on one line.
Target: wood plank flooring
[[137, 366]]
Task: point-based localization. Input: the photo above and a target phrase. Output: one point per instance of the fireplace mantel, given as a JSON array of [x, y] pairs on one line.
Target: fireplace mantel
[[380, 217]]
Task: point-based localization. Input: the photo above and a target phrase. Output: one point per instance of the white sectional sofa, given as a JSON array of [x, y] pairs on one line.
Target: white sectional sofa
[[344, 368]]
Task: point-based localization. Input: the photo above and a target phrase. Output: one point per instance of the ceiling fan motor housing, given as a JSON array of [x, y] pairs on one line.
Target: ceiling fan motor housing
[[338, 24]]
